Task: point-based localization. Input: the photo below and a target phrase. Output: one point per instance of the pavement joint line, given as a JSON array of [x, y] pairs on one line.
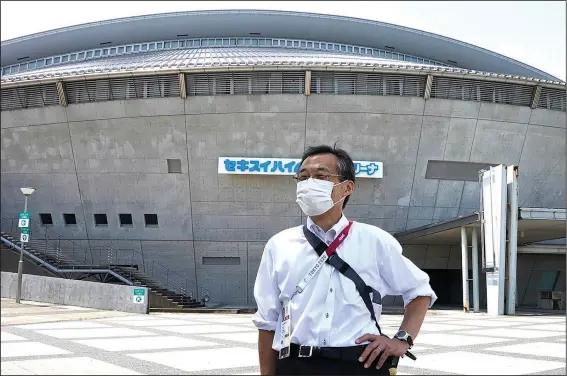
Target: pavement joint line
[[123, 359]]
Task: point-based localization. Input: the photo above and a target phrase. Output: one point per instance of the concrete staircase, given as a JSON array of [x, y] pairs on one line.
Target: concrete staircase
[[46, 252]]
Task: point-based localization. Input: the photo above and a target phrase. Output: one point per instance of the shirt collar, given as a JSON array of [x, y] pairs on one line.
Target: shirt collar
[[336, 229]]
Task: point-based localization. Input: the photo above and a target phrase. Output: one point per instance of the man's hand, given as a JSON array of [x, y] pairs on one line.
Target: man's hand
[[380, 345]]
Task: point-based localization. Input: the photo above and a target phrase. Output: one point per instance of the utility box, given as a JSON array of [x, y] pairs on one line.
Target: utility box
[[552, 300]]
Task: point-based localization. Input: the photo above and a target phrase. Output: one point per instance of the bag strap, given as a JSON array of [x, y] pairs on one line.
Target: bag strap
[[345, 269]]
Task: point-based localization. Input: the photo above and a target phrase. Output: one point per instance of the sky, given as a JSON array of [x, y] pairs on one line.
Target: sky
[[532, 32]]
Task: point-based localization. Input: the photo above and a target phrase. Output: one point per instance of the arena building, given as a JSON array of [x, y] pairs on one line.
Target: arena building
[[172, 139]]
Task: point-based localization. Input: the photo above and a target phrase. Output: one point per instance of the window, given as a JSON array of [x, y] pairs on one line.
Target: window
[[174, 166], [70, 219], [46, 219], [151, 220], [100, 220], [125, 220]]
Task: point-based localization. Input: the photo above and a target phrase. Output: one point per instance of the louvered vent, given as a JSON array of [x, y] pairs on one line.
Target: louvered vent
[[29, 96], [367, 84], [481, 91], [245, 83], [108, 89], [552, 99]]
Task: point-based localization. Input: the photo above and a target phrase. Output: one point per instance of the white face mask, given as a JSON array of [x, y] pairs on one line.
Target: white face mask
[[314, 196]]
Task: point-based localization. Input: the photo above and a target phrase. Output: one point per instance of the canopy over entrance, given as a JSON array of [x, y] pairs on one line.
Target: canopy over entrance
[[534, 225]]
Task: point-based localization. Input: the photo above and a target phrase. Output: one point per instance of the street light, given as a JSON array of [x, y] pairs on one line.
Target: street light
[[27, 192]]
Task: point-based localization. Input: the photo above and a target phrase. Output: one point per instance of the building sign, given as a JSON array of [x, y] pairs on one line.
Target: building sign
[[286, 166]]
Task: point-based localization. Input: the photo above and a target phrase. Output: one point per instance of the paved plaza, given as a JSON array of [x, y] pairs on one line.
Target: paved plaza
[[48, 339]]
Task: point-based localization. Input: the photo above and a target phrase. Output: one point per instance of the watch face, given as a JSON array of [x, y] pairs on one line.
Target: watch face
[[402, 334]]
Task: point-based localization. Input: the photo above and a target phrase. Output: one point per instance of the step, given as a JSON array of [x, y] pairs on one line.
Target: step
[[199, 310]]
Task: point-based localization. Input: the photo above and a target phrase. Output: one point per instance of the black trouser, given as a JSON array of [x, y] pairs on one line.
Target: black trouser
[[320, 365]]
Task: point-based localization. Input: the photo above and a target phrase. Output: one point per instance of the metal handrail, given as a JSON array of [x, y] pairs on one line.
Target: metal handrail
[[69, 255], [56, 270]]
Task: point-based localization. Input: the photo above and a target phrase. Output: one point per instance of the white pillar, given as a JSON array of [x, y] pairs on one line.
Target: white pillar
[[475, 289], [465, 268], [512, 246]]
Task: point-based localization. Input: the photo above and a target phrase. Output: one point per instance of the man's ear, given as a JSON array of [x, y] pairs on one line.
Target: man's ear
[[350, 187]]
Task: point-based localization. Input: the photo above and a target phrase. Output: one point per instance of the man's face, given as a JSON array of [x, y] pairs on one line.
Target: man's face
[[325, 167]]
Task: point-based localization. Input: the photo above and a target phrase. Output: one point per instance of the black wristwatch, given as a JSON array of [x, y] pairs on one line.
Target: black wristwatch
[[404, 336]]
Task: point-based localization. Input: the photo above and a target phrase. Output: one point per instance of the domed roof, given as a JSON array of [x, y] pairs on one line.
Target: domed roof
[[383, 43]]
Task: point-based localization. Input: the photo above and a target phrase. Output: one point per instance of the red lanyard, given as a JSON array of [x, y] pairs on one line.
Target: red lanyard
[[321, 260], [339, 240]]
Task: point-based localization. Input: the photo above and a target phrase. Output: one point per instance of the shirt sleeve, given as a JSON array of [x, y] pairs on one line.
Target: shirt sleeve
[[400, 275], [266, 294]]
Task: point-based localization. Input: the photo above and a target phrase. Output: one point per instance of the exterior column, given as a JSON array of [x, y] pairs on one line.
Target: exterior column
[[512, 246], [465, 268], [307, 88], [535, 97], [62, 94], [476, 303], [182, 87], [428, 86]]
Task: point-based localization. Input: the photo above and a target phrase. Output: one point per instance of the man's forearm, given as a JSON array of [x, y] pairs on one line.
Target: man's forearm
[[414, 315], [268, 356]]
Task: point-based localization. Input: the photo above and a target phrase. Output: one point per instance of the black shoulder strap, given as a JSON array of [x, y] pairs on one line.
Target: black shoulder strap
[[344, 268]]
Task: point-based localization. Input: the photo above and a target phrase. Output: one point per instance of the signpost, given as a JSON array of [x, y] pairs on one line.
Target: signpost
[[139, 295], [25, 235], [23, 223]]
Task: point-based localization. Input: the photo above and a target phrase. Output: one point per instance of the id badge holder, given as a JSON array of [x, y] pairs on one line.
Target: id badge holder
[[285, 333]]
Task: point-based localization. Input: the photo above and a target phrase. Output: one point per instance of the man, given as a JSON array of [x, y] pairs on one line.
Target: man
[[311, 317]]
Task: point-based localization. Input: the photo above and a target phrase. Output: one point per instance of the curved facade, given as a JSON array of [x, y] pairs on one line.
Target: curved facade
[[149, 142]]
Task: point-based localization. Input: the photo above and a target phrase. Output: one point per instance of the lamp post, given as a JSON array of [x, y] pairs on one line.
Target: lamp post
[[27, 192]]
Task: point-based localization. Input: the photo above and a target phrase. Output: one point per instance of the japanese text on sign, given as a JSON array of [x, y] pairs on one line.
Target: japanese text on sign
[[286, 166]]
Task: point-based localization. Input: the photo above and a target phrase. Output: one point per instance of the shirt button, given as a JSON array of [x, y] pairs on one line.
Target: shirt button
[[327, 315], [331, 290], [324, 342]]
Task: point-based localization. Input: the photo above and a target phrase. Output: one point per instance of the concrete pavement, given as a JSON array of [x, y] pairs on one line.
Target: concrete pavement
[[49, 339]]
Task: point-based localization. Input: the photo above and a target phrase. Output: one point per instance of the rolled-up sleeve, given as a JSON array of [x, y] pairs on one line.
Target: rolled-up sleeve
[[266, 294], [400, 275]]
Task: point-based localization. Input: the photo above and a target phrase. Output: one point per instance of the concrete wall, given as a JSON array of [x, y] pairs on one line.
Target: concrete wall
[[111, 157], [75, 293]]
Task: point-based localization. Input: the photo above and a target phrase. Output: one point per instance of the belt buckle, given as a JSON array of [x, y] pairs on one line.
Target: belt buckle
[[305, 354]]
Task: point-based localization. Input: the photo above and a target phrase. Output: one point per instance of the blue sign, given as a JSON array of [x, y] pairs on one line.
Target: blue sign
[[286, 166]]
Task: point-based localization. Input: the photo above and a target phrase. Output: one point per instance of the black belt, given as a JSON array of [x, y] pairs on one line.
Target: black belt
[[350, 354], [347, 354]]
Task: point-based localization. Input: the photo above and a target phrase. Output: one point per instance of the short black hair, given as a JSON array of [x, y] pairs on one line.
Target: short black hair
[[345, 165]]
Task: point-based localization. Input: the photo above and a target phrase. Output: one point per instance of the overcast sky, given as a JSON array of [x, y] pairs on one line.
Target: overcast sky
[[531, 32]]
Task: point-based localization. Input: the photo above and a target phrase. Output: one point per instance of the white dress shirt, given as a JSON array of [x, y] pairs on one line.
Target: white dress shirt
[[330, 312]]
